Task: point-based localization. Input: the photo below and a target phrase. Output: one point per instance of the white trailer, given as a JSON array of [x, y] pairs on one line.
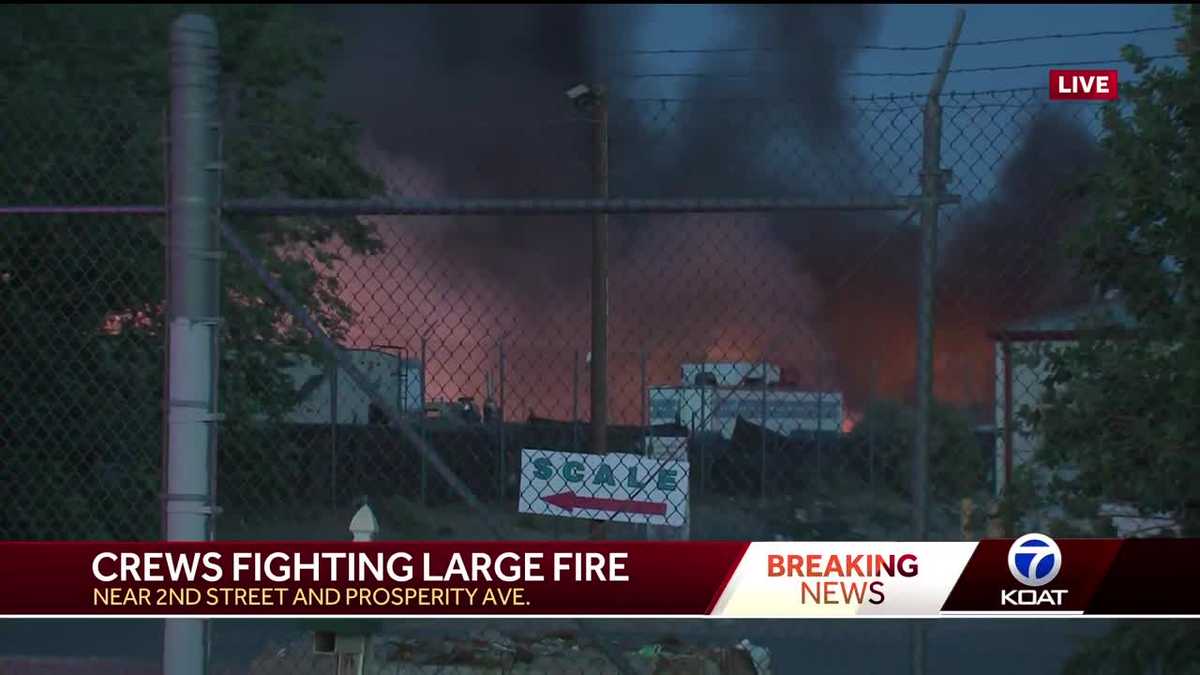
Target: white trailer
[[717, 409]]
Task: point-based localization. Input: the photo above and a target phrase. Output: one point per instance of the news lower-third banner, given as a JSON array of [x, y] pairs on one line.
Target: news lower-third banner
[[1032, 576]]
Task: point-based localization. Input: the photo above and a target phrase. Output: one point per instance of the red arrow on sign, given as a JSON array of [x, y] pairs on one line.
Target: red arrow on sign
[[570, 501]]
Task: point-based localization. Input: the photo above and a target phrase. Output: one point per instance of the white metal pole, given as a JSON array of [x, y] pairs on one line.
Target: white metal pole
[[193, 311]]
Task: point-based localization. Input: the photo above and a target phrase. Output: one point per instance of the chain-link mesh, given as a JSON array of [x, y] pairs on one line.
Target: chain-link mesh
[[1007, 287], [771, 352], [760, 364], [82, 333], [748, 338]]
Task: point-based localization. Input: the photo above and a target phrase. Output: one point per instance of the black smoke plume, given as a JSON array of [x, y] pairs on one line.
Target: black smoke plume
[[1001, 260], [470, 101], [474, 96]]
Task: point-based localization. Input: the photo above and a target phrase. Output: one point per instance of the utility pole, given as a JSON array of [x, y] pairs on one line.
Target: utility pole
[[600, 275], [193, 307], [595, 99], [932, 183]]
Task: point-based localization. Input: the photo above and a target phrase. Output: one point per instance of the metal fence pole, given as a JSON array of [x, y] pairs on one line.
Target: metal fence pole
[[500, 427], [762, 436], [333, 432], [932, 183], [819, 436], [703, 436], [424, 402], [574, 404], [871, 405], [1007, 430], [643, 394], [193, 311], [600, 288]]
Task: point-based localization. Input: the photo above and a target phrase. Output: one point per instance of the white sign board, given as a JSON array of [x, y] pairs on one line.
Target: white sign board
[[621, 487]]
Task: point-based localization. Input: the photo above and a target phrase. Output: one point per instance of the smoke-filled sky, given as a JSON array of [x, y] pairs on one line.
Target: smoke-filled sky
[[469, 101], [698, 26]]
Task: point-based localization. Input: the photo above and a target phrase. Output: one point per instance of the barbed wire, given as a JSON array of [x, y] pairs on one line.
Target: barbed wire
[[918, 73], [987, 69], [853, 99], [904, 48]]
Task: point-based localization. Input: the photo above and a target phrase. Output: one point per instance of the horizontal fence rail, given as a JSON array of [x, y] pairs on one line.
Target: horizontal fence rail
[[547, 206]]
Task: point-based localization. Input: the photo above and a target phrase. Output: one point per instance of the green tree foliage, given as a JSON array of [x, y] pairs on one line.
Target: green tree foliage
[[956, 461], [1141, 649], [1119, 418], [1122, 413], [83, 96]]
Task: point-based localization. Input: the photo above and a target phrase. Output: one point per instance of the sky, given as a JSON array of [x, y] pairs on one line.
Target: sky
[[685, 27], [700, 26], [930, 24]]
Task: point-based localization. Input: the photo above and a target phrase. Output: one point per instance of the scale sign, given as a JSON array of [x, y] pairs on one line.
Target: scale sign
[[621, 487]]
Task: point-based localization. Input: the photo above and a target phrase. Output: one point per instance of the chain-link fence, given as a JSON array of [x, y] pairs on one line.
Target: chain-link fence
[[82, 328], [761, 337], [779, 345]]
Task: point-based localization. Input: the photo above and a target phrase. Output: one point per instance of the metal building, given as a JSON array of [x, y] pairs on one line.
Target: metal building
[[399, 380], [1021, 353]]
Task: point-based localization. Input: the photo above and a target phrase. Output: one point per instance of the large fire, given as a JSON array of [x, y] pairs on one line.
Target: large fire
[[832, 300], [527, 348]]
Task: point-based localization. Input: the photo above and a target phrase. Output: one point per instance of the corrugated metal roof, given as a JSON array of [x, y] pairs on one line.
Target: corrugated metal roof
[[1106, 314]]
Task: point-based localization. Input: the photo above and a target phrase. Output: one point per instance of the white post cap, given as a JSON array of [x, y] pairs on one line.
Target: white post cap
[[363, 525]]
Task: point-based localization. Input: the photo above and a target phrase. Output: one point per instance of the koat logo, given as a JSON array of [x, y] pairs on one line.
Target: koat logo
[[1034, 560]]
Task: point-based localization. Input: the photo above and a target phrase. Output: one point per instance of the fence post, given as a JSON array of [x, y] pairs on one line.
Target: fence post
[[871, 401], [500, 427], [1005, 477], [762, 436], [932, 183], [574, 404], [643, 395], [333, 432], [702, 436], [193, 312], [424, 402]]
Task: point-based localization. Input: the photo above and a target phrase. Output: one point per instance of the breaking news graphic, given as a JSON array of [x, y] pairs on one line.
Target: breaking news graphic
[[1033, 576]]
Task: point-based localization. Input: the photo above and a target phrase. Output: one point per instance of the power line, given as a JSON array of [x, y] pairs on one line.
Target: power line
[[919, 96], [919, 73], [985, 69], [905, 48]]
